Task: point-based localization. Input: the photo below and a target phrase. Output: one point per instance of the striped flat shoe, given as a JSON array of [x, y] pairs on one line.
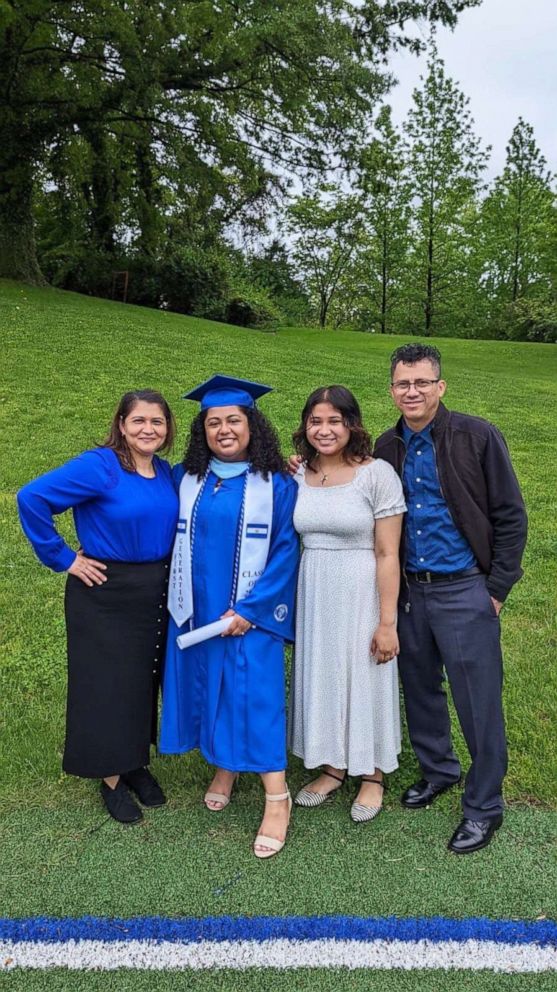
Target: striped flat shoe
[[307, 798], [361, 813]]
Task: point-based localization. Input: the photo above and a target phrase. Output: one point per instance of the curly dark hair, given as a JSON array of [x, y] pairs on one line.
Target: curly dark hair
[[116, 440], [409, 354], [359, 445], [264, 452]]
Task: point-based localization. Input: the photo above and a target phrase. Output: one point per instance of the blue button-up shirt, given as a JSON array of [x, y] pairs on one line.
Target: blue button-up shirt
[[433, 543]]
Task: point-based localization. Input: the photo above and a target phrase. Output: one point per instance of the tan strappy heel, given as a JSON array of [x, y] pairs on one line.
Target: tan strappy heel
[[219, 797], [272, 842]]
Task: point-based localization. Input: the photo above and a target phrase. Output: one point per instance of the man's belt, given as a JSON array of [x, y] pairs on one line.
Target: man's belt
[[428, 577]]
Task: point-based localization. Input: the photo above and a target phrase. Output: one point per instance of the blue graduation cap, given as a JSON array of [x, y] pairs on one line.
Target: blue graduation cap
[[225, 390]]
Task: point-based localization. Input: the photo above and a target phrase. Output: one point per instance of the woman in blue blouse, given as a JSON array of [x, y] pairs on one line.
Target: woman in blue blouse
[[125, 510]]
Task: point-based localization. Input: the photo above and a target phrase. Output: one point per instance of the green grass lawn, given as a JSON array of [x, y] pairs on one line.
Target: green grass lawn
[[66, 360], [303, 980]]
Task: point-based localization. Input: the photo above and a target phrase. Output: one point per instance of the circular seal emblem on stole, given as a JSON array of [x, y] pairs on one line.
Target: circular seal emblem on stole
[[281, 612]]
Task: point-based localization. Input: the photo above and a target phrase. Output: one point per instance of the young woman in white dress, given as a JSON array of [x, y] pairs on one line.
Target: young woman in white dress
[[344, 706]]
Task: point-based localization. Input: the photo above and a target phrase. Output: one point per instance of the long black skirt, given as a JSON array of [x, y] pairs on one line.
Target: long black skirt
[[115, 646]]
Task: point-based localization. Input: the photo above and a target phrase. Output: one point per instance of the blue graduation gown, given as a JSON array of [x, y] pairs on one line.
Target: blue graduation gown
[[226, 696]]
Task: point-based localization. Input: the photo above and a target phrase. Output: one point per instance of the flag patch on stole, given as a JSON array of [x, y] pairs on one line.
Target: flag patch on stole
[[257, 530]]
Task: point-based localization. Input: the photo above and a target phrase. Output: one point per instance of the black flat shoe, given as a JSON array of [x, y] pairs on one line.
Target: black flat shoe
[[472, 835], [145, 786], [120, 804], [423, 793]]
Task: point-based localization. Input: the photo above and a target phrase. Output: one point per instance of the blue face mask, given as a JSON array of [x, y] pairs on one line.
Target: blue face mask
[[227, 470]]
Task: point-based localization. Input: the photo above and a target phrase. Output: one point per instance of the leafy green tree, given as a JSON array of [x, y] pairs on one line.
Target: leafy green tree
[[446, 163], [386, 213], [552, 251], [272, 271], [227, 85], [325, 226], [519, 224]]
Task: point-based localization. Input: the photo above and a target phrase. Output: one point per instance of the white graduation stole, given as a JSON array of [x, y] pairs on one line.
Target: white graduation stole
[[252, 548]]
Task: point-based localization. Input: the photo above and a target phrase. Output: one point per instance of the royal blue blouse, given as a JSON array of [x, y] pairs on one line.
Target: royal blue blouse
[[118, 515]]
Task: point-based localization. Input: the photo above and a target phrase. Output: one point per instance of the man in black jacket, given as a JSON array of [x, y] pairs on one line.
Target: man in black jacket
[[464, 536]]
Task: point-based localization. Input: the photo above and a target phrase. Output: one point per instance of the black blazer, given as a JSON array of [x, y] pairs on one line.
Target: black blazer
[[480, 488]]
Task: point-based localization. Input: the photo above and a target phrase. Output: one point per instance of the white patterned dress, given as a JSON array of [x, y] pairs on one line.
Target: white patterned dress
[[344, 707]]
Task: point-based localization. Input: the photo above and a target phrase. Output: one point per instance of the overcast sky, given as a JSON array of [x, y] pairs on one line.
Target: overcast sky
[[503, 55]]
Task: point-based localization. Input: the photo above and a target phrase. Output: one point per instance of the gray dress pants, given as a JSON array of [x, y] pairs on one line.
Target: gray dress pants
[[452, 627]]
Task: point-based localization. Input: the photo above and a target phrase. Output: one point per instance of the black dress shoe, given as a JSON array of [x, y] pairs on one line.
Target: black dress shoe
[[423, 793], [120, 804], [472, 835], [145, 786]]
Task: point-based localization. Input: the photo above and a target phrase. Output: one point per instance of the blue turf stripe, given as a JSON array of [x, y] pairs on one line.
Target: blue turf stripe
[[258, 928]]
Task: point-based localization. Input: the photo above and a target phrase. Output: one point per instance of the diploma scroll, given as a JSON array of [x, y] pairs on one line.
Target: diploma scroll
[[203, 633]]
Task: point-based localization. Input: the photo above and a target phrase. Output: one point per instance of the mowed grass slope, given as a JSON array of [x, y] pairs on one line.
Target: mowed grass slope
[[66, 360]]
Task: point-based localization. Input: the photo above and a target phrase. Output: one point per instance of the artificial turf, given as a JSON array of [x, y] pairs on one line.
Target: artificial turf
[[333, 980], [186, 861]]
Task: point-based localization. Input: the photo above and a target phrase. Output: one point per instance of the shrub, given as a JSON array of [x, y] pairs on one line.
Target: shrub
[[196, 280], [80, 269], [533, 320], [145, 281], [251, 306], [189, 279]]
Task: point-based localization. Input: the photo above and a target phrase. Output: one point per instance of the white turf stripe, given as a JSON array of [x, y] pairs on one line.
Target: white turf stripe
[[475, 955]]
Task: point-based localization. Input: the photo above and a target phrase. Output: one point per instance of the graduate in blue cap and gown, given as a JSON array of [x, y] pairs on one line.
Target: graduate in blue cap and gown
[[235, 556]]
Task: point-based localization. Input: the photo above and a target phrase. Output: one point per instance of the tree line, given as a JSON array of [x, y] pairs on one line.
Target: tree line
[[163, 140], [422, 244]]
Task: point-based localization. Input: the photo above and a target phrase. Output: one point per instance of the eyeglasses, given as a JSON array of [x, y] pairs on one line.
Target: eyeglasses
[[422, 385]]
